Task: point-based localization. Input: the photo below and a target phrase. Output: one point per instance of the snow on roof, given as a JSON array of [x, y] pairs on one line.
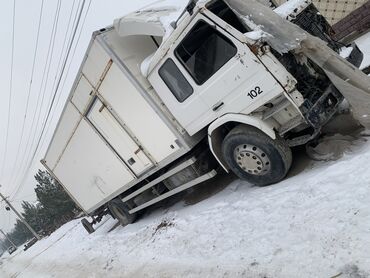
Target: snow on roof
[[153, 20], [292, 8]]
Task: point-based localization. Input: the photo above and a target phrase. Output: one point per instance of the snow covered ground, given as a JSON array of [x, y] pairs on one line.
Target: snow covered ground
[[316, 223]]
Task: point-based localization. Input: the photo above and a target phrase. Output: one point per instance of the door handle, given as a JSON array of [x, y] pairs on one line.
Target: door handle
[[102, 107], [217, 106]]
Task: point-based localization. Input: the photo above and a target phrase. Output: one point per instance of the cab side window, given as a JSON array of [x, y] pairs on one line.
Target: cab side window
[[175, 80], [204, 51]]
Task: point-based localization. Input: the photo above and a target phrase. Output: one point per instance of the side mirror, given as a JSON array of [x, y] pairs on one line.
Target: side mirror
[[173, 24]]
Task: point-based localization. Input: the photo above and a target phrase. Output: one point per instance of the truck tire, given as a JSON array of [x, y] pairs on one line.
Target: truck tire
[[121, 212], [255, 157], [87, 225]]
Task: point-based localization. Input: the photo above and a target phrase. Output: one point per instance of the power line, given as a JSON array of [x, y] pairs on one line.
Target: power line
[[63, 68], [58, 83], [29, 147], [19, 216], [65, 42], [68, 69], [7, 237], [29, 89], [50, 100], [10, 94], [47, 65], [54, 84], [55, 93]]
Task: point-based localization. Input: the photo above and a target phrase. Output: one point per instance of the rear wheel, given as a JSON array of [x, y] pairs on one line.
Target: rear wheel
[[87, 225], [255, 157], [121, 212]]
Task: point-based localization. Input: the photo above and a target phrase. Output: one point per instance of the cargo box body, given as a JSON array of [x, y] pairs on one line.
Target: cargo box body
[[114, 131]]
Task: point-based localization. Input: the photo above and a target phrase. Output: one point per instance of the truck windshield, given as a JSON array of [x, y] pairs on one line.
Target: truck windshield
[[204, 51]]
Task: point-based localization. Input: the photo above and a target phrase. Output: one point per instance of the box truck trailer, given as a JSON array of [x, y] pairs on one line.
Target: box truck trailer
[[153, 113]]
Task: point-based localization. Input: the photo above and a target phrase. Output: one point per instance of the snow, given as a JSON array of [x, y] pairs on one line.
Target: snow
[[164, 12], [144, 66], [256, 35], [344, 52], [291, 8], [364, 44], [330, 147], [175, 6], [315, 223]]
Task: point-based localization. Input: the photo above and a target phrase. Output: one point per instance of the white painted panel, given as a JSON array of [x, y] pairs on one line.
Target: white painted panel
[[226, 89], [89, 170], [118, 138], [137, 114], [82, 94], [132, 50], [95, 63], [63, 133]]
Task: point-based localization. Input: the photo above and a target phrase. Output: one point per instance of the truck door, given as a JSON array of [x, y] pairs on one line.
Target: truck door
[[118, 138], [224, 75]]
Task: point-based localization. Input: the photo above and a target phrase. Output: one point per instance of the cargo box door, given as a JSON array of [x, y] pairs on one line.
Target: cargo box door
[[121, 95], [118, 138], [90, 171]]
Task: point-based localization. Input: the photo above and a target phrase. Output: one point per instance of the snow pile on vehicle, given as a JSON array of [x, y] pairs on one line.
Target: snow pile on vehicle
[[154, 19], [145, 65], [256, 35], [283, 35], [344, 52], [292, 8]]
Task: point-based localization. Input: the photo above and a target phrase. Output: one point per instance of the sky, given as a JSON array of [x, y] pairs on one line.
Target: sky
[[18, 160]]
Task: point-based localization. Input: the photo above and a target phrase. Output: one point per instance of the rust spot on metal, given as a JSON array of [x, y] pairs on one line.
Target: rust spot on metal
[[254, 48]]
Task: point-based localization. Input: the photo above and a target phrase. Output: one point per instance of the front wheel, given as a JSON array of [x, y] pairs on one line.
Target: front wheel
[[255, 157]]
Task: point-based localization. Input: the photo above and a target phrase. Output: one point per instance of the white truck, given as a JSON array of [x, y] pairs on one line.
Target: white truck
[[152, 114]]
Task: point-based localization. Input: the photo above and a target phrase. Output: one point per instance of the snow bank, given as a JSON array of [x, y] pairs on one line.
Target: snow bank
[[313, 224], [331, 147]]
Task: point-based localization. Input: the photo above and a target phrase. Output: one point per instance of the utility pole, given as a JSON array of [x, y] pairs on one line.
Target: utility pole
[[6, 236], [20, 217]]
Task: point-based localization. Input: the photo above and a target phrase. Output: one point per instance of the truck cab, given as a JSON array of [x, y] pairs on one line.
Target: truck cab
[[213, 78]]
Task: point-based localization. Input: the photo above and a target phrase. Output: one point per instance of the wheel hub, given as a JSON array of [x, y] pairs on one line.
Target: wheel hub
[[252, 159]]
